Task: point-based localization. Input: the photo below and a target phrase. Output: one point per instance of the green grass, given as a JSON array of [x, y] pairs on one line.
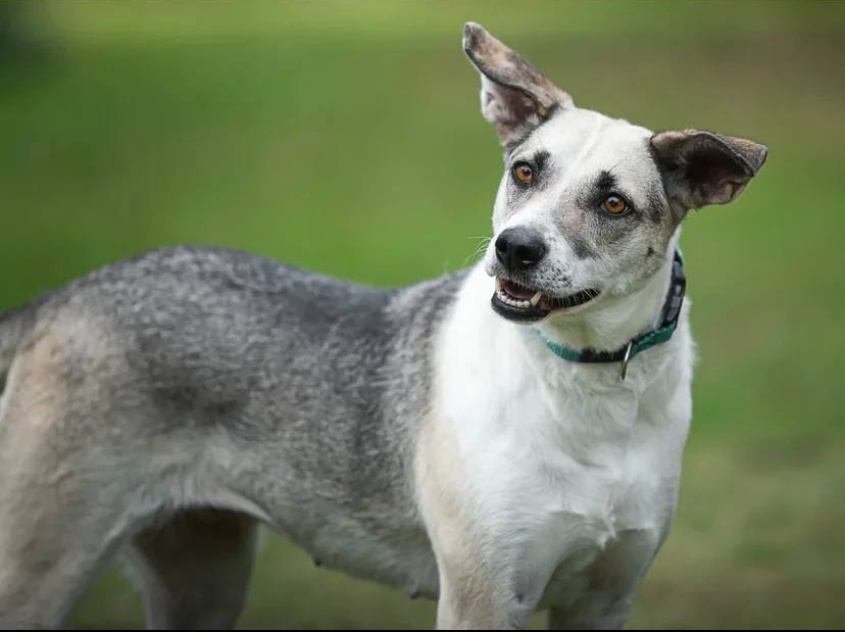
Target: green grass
[[345, 137]]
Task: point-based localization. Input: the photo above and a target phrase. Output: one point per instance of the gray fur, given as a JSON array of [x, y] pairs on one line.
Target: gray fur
[[315, 388], [222, 338]]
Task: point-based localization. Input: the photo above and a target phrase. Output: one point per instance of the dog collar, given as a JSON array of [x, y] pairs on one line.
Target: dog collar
[[668, 323]]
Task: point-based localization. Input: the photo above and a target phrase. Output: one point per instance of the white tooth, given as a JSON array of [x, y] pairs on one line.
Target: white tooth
[[499, 283], [536, 299]]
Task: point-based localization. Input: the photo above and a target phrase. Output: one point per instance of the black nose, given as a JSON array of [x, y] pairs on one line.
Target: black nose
[[519, 248]]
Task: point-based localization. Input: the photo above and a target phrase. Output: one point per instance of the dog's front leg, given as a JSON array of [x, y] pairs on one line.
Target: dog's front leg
[[490, 573], [614, 578], [474, 595]]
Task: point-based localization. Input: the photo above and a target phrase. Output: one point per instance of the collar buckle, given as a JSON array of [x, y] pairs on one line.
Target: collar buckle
[[624, 370]]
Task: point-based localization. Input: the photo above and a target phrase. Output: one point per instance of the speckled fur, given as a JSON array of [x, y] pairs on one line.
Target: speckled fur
[[217, 377]]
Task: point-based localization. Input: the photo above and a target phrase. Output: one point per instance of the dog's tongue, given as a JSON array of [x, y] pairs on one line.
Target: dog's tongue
[[518, 291]]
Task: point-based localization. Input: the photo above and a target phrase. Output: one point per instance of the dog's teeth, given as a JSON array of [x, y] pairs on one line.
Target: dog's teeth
[[505, 298], [536, 299]]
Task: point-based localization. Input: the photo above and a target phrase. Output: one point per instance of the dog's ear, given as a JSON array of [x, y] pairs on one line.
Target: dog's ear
[[515, 97], [701, 168]]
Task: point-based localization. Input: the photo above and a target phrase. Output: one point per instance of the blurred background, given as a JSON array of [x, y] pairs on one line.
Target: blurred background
[[346, 137]]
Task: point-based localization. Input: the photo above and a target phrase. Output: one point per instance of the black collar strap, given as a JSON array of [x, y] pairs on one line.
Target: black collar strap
[[668, 323]]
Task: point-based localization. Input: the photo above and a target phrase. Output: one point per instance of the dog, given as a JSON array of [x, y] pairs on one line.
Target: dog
[[504, 439]]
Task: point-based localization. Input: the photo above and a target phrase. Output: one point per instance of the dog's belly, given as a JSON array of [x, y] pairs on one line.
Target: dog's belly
[[397, 555]]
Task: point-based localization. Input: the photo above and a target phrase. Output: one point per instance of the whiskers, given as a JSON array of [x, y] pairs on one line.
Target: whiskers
[[479, 251]]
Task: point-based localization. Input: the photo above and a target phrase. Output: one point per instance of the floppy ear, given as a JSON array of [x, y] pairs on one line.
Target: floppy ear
[[515, 97], [701, 168]]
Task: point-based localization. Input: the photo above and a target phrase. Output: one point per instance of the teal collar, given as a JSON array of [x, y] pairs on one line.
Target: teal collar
[[668, 323]]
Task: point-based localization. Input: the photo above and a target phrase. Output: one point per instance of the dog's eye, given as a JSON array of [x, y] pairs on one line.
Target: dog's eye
[[615, 204], [523, 173]]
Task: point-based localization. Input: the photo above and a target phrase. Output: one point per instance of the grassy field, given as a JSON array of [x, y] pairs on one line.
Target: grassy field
[[345, 137]]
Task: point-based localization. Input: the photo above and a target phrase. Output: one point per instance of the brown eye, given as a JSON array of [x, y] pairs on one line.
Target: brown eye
[[523, 173], [615, 204]]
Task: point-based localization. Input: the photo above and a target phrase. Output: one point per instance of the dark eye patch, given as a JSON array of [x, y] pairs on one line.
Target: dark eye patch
[[597, 191], [537, 161], [605, 183]]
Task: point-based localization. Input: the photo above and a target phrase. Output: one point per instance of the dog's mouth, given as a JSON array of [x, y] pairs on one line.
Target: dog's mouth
[[521, 303]]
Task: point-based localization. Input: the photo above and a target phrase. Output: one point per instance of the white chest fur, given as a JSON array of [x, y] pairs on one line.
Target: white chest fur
[[558, 460]]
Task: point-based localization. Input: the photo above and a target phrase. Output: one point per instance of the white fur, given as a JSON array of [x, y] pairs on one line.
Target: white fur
[[581, 144], [544, 482], [561, 462]]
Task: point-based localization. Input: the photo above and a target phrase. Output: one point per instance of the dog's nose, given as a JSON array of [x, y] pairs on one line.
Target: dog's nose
[[519, 248]]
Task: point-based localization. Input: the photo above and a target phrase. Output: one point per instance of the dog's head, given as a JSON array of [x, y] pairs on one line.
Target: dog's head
[[588, 204]]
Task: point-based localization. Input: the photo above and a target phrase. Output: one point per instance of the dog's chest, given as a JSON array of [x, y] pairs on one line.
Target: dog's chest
[[566, 464], [569, 453], [589, 477]]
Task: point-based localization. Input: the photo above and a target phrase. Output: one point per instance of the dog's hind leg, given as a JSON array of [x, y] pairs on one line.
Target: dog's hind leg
[[74, 476], [64, 508], [54, 533], [195, 569]]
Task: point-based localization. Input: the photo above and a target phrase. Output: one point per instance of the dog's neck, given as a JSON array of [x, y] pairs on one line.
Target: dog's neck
[[618, 319]]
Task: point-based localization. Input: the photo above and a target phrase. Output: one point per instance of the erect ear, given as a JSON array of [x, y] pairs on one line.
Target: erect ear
[[701, 168], [515, 97]]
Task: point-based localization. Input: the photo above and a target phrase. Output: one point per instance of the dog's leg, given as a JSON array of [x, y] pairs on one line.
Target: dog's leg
[[486, 582], [475, 597], [609, 615], [54, 535], [76, 471], [614, 579], [64, 508], [195, 569]]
